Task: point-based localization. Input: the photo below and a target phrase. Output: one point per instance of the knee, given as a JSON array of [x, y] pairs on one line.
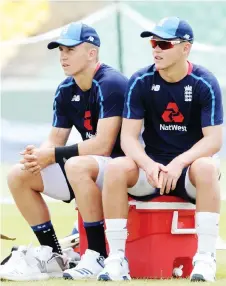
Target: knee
[[17, 176], [76, 167], [120, 168], [204, 169]]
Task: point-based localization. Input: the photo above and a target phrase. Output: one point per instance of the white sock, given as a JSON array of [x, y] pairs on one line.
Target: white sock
[[116, 233], [207, 231]]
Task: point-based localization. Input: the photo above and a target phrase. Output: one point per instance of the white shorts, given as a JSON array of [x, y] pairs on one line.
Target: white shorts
[[56, 185], [184, 188]]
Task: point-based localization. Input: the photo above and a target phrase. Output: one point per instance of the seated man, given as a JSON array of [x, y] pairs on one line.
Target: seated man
[[91, 98], [181, 106]]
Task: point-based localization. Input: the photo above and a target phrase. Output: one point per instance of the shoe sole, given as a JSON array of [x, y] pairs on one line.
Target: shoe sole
[[67, 276], [197, 278], [200, 278], [105, 277]]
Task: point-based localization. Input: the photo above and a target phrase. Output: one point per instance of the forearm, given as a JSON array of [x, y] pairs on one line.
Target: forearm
[[47, 144], [49, 147], [88, 147], [50, 144], [45, 154], [95, 147], [133, 149], [206, 147]]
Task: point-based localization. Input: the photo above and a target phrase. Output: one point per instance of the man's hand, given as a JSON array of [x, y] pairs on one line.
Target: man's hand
[[169, 179], [35, 159], [29, 160], [153, 169]]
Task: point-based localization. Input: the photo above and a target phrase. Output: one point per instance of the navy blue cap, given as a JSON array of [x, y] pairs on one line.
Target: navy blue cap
[[75, 34], [171, 28]]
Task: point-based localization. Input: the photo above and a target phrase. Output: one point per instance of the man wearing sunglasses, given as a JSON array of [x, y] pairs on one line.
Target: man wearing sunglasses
[[181, 106]]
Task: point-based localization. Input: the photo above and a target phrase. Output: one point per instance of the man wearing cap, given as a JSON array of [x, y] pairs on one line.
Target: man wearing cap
[[181, 106], [91, 99]]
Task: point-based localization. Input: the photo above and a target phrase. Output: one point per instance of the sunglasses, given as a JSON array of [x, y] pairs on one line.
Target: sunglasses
[[164, 45]]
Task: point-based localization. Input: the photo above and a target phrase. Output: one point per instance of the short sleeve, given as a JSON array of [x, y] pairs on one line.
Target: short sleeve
[[211, 103], [60, 118], [133, 107], [111, 96]]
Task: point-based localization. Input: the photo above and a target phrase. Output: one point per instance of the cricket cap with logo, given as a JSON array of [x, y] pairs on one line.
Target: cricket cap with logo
[[171, 28], [75, 34]]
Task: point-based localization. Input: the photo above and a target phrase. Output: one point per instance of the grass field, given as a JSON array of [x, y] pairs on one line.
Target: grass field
[[12, 224]]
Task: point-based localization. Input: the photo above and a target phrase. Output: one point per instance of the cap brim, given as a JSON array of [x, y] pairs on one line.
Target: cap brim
[[63, 42], [159, 34]]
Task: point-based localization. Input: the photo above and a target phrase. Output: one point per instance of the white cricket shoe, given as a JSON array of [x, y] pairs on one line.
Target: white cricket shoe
[[36, 263], [73, 256], [204, 268], [116, 269], [17, 269], [13, 258], [89, 266], [14, 248]]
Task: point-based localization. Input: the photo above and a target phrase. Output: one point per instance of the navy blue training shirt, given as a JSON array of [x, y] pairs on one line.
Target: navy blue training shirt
[[174, 113], [83, 109]]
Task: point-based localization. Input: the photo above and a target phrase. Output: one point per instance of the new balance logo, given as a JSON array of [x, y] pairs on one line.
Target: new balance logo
[[91, 39], [41, 226], [155, 87], [75, 98], [90, 135]]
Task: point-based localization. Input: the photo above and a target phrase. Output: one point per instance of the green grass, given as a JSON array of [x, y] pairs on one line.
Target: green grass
[[58, 282], [12, 224]]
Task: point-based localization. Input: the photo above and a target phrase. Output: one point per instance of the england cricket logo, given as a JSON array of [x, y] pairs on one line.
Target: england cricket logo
[[188, 93]]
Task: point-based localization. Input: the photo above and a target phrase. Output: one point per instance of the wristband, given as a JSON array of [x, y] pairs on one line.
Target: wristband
[[65, 152]]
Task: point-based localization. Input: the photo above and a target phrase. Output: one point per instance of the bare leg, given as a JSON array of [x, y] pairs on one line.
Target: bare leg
[[82, 173], [121, 173], [25, 189], [204, 176]]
